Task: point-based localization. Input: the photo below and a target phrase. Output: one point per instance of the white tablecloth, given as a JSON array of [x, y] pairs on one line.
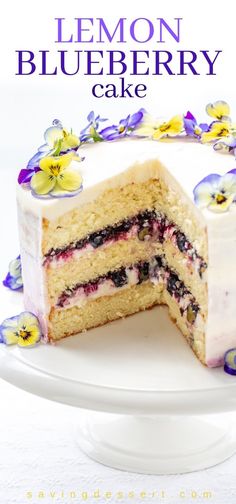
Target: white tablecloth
[[40, 462]]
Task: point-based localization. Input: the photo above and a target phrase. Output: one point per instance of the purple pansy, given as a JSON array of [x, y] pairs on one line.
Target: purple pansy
[[216, 192], [90, 132], [191, 126], [230, 362], [124, 127], [13, 279], [23, 329], [227, 144]]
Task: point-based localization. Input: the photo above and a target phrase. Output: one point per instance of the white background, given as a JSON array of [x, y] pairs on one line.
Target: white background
[[37, 447]]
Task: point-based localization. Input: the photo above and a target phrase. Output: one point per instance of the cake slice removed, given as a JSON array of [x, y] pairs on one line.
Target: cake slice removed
[[132, 239]]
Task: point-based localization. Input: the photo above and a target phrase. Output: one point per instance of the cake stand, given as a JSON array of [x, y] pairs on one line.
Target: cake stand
[[152, 407]]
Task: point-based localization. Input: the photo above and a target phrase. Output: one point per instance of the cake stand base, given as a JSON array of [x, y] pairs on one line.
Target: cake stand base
[[157, 444]]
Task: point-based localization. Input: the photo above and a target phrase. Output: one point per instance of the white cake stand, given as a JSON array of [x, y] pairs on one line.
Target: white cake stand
[[154, 395]]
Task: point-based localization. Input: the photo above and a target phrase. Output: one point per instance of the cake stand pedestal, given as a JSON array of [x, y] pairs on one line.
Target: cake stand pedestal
[[154, 409], [157, 445]]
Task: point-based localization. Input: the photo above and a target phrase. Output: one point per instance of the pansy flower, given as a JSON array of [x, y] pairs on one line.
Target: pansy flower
[[230, 362], [192, 128], [90, 132], [171, 128], [55, 178], [147, 126], [220, 110], [23, 330], [228, 144], [13, 279], [221, 128], [58, 141], [217, 130], [216, 192], [124, 127], [157, 129]]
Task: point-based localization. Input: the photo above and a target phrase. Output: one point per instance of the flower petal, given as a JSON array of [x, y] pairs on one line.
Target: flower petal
[[171, 128], [27, 318], [33, 338], [70, 180], [15, 267], [10, 322], [219, 110], [176, 125], [190, 116], [217, 129], [228, 183], [215, 206], [34, 161], [145, 130], [135, 119], [91, 116], [42, 183], [203, 194], [52, 135], [13, 283], [9, 336], [58, 192], [70, 141], [13, 279]]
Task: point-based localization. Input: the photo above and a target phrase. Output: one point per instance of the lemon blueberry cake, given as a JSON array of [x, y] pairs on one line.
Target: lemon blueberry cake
[[146, 223]]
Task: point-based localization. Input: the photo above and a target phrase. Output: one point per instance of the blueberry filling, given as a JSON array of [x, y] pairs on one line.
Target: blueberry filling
[[143, 271], [175, 287], [119, 277], [150, 224], [156, 268]]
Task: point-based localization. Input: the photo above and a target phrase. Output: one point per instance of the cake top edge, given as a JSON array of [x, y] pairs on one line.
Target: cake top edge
[[68, 164]]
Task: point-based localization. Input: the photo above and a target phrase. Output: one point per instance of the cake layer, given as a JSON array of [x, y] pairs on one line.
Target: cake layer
[[111, 207], [155, 270], [102, 310], [136, 238], [63, 278], [126, 302], [148, 225], [96, 263], [77, 228]]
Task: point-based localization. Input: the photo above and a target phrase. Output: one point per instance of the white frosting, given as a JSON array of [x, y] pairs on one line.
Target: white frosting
[[114, 164]]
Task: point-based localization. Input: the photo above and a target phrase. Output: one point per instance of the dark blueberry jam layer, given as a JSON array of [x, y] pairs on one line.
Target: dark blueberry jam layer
[[149, 225], [155, 270]]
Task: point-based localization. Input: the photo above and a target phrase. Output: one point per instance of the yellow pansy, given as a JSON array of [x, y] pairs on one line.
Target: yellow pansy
[[171, 128], [69, 141], [148, 126], [157, 129], [55, 177], [218, 129], [220, 110], [59, 137], [23, 330]]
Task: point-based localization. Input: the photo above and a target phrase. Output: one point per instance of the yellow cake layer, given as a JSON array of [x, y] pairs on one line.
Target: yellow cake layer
[[96, 263], [88, 266], [115, 205], [64, 322], [98, 312]]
